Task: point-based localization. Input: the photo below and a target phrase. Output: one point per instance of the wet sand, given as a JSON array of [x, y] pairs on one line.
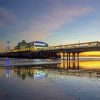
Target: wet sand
[[18, 89], [53, 87], [30, 83]]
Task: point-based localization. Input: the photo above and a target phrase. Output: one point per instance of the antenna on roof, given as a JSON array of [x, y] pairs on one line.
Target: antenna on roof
[[8, 46]]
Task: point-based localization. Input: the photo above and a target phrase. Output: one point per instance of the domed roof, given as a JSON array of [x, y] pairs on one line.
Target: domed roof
[[38, 43]]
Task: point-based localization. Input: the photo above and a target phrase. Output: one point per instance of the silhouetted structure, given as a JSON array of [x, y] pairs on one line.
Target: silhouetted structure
[[72, 51]]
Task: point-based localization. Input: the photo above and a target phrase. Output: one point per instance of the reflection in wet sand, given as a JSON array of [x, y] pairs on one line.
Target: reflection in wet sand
[[77, 68], [42, 73], [35, 73], [86, 65], [90, 65], [66, 81]]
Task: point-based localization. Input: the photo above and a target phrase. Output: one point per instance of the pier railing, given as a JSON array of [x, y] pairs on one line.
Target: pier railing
[[67, 46], [78, 45]]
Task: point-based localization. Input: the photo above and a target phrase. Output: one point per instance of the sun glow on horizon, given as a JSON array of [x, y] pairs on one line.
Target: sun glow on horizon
[[91, 53]]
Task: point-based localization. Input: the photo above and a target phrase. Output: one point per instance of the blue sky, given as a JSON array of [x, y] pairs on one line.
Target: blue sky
[[52, 21]]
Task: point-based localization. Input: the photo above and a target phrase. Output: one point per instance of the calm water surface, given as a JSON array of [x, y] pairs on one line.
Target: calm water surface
[[28, 79]]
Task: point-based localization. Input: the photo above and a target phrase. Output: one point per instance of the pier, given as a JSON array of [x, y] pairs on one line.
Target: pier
[[71, 51]]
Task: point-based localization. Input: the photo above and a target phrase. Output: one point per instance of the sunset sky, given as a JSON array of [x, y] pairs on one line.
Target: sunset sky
[[52, 21]]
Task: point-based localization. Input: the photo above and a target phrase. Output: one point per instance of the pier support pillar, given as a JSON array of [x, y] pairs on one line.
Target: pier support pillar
[[69, 60], [78, 59], [73, 56], [63, 55], [67, 57]]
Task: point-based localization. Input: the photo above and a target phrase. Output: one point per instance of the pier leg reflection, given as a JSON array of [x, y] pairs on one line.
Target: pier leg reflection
[[73, 65], [71, 62]]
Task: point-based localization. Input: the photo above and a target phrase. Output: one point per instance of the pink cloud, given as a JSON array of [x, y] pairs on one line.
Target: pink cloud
[[55, 19], [6, 17]]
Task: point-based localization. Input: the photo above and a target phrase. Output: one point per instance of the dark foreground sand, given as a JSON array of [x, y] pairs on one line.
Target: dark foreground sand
[[18, 89]]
